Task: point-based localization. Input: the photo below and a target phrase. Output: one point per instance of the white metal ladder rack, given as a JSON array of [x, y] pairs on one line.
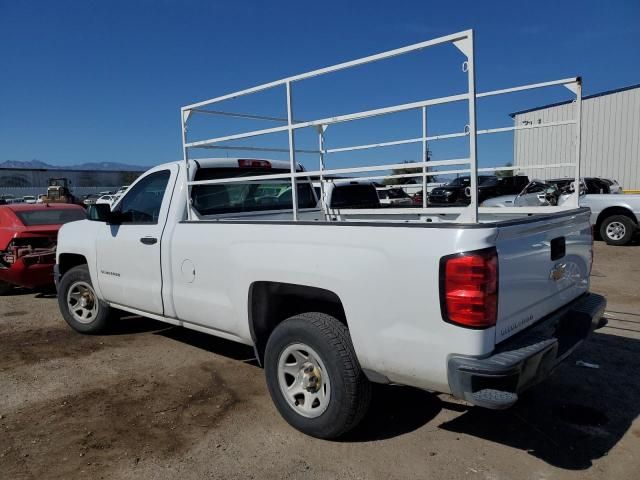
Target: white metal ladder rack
[[464, 42]]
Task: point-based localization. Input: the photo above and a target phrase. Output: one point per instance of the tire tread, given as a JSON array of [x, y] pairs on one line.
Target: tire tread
[[356, 389]]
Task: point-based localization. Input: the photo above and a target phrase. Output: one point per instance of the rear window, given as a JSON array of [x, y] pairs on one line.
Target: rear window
[[354, 196], [50, 216], [249, 196]]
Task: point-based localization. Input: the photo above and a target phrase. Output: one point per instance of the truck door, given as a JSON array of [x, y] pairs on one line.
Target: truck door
[[128, 253]]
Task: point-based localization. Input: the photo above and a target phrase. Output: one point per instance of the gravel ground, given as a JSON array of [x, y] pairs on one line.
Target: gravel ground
[[150, 401]]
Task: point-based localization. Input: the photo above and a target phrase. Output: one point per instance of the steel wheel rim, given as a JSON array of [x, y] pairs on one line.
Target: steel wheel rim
[[82, 302], [616, 230], [298, 365]]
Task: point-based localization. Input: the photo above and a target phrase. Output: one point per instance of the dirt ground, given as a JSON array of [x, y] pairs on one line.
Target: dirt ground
[[150, 401]]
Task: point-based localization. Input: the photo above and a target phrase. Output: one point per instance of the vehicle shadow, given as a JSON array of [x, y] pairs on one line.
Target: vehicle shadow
[[46, 292], [575, 417], [17, 291], [212, 344], [124, 323], [395, 411], [635, 242]]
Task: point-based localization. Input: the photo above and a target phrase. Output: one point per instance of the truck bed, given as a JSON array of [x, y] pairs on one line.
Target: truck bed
[[394, 316]]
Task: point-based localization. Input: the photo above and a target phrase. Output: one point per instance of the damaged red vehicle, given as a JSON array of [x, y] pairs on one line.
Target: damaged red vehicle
[[28, 237]]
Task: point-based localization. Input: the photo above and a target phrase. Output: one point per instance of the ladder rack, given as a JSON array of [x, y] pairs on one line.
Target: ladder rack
[[464, 42]]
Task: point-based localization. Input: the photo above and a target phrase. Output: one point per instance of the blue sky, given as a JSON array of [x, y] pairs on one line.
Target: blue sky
[[104, 80]]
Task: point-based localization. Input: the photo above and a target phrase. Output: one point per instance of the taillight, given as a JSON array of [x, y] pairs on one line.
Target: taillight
[[469, 288], [250, 163]]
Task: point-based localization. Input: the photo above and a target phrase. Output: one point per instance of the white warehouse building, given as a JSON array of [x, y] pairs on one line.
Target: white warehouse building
[[610, 133]]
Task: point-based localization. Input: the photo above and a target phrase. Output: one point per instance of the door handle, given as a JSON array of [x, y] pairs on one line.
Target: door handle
[[149, 240]]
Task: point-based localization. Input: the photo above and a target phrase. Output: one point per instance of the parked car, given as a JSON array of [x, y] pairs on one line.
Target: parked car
[[614, 217], [589, 184], [393, 197], [458, 191], [90, 199], [108, 199], [417, 198], [28, 235], [30, 199], [41, 198], [496, 307]]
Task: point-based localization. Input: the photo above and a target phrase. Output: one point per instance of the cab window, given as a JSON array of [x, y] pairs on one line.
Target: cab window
[[250, 196], [143, 201]]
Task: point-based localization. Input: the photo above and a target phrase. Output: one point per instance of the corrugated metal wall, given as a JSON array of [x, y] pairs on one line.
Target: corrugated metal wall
[[610, 139]]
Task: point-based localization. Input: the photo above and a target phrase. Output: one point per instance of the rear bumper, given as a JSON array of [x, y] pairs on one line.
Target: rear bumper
[[526, 358]]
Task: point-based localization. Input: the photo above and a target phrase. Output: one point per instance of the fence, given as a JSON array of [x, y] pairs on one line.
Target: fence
[[19, 192]]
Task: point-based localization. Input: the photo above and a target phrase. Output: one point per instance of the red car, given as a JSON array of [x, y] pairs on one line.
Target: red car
[[28, 236]]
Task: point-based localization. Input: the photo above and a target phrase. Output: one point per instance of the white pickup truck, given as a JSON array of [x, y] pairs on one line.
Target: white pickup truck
[[487, 310], [241, 248]]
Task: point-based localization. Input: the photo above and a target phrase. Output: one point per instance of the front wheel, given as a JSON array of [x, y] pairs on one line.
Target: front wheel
[[314, 377], [79, 304], [617, 230]]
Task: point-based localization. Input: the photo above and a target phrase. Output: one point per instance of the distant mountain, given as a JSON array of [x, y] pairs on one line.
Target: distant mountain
[[26, 164], [91, 166]]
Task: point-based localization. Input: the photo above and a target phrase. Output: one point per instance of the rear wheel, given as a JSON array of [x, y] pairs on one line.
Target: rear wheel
[[79, 304], [314, 377], [617, 229]]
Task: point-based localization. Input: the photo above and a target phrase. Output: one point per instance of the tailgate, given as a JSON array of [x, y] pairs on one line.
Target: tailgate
[[544, 263]]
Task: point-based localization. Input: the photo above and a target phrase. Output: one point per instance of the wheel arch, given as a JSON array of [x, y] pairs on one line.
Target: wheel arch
[[66, 261], [270, 303], [616, 210]]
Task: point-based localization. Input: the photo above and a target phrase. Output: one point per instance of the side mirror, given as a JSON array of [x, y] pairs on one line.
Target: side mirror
[[101, 212]]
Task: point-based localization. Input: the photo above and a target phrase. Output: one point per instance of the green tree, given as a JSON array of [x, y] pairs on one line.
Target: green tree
[[408, 170], [506, 173]]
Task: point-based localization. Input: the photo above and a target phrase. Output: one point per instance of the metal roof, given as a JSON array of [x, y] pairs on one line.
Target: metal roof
[[600, 94]]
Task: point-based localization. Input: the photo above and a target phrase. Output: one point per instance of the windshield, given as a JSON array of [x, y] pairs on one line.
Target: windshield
[[488, 181], [249, 196], [50, 216], [460, 182]]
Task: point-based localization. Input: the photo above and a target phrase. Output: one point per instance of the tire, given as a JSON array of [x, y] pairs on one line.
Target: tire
[[90, 317], [617, 229], [5, 288], [343, 391]]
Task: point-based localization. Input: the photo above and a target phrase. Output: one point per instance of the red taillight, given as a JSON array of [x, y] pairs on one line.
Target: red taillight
[[469, 288], [249, 163]]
